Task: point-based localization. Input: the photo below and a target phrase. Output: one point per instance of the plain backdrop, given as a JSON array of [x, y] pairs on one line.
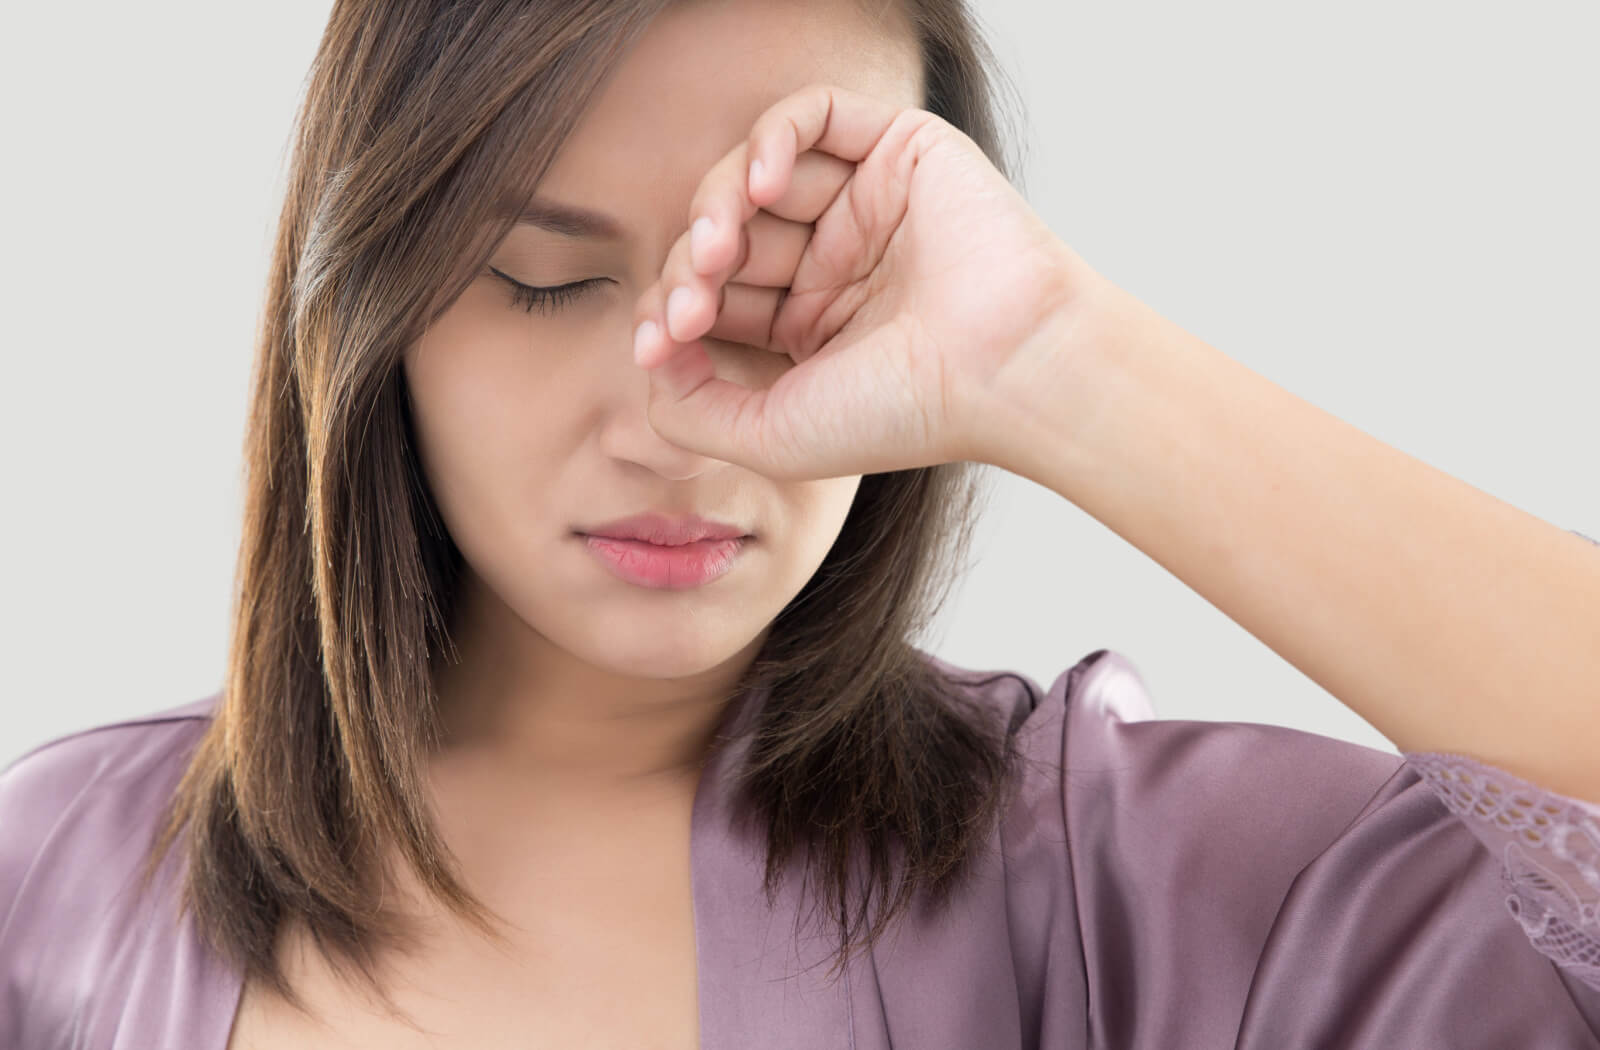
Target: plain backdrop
[[1387, 208]]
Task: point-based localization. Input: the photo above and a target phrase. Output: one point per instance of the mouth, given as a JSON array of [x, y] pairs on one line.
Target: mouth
[[620, 538], [666, 566], [664, 530]]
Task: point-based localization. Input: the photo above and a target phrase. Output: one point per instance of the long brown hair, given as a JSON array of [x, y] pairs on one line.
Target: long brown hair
[[421, 118]]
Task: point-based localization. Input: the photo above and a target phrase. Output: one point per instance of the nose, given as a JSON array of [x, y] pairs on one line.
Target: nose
[[627, 434]]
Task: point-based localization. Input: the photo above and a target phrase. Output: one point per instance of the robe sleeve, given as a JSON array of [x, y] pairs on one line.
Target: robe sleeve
[[1256, 887], [1548, 846]]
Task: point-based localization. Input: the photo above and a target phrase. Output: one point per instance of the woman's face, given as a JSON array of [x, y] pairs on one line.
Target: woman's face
[[532, 424]]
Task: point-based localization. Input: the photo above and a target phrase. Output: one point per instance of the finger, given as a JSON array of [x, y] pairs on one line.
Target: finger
[[770, 250], [689, 404], [741, 310], [745, 314], [819, 117], [690, 300], [694, 408], [843, 126], [746, 317], [742, 314], [745, 320], [722, 204], [651, 344], [770, 253], [767, 252]]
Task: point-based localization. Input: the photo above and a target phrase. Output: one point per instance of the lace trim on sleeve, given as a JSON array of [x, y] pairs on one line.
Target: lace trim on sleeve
[[1549, 845]]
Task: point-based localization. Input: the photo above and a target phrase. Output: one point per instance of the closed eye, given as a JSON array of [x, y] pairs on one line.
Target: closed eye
[[546, 300]]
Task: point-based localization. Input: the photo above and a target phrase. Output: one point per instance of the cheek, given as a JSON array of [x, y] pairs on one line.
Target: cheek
[[486, 368], [480, 401], [817, 512]]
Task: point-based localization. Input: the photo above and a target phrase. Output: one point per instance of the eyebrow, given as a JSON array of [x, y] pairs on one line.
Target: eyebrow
[[569, 220]]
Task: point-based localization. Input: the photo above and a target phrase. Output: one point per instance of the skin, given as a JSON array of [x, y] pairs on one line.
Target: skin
[[532, 425]]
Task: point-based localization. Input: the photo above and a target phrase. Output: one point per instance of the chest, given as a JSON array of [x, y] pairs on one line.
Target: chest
[[602, 955]]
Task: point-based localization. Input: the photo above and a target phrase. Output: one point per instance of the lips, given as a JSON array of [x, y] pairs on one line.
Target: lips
[[667, 531], [665, 567]]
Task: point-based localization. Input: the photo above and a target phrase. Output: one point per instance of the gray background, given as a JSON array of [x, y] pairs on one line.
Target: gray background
[[1388, 209]]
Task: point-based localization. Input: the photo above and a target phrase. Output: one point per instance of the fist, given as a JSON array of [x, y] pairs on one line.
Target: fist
[[880, 252]]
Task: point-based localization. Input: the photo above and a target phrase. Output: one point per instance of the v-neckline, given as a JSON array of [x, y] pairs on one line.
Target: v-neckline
[[730, 739]]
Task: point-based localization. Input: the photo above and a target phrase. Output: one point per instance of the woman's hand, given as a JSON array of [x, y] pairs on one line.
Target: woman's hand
[[882, 252]]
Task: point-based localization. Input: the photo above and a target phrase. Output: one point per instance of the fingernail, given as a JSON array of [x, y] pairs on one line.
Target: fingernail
[[756, 168], [643, 338], [700, 238]]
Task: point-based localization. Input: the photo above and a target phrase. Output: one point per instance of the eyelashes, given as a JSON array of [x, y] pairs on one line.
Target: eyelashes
[[547, 300]]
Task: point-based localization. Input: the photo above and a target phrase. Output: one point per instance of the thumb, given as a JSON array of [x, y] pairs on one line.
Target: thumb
[[694, 409]]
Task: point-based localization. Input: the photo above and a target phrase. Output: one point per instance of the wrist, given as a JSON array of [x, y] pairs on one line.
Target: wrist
[[1039, 416]]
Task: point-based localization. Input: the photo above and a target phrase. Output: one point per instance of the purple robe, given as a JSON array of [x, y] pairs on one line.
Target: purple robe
[[1156, 884]]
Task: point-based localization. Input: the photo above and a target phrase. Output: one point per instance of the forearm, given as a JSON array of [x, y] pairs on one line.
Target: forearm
[[1448, 619]]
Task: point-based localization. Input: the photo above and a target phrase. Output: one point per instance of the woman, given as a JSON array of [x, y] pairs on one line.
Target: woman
[[494, 766]]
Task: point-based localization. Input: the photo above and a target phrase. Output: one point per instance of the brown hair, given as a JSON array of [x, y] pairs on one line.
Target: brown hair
[[418, 119]]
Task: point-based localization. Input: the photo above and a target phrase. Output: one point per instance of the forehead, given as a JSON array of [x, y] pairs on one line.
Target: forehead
[[694, 84]]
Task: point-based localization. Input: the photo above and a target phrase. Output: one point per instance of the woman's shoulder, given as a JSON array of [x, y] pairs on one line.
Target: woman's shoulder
[[85, 952], [1098, 715], [1107, 788], [1008, 696], [58, 773], [71, 807]]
